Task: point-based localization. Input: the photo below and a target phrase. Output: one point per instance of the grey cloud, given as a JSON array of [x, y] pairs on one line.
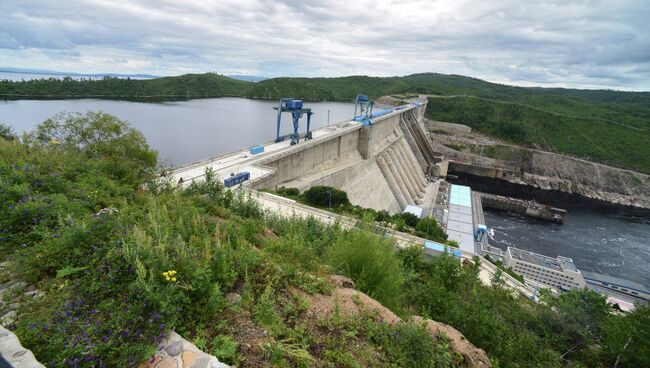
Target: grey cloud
[[555, 43]]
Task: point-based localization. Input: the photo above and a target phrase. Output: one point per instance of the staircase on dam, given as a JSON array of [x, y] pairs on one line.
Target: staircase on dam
[[416, 135], [382, 166]]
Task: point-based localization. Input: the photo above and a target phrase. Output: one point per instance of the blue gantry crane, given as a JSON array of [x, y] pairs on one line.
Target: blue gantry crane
[[363, 105], [295, 107]]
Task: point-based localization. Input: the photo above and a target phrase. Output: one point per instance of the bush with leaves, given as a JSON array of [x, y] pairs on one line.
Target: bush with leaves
[[428, 228], [321, 195], [373, 265], [7, 132]]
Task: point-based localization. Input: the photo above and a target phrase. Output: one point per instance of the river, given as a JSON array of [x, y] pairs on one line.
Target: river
[[183, 131], [607, 241]]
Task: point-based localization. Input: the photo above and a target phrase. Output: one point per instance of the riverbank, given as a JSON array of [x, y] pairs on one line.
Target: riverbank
[[548, 175]]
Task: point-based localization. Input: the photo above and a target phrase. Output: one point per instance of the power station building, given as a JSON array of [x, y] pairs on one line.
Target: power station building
[[559, 273]]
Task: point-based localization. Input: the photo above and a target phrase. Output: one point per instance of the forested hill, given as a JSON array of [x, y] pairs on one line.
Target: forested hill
[[608, 126], [338, 89]]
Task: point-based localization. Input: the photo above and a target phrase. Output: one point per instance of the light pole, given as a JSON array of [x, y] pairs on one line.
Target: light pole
[[330, 200], [428, 225], [328, 117]]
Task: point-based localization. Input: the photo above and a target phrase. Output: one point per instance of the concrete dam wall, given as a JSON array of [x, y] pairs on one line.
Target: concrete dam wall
[[381, 166]]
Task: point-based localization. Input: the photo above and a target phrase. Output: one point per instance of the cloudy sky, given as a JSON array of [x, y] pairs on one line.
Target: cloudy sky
[[572, 43]]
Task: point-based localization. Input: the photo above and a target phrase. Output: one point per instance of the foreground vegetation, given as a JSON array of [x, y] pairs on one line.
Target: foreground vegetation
[[124, 259], [337, 201]]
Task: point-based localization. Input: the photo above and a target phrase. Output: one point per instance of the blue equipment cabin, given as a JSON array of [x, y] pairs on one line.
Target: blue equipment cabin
[[432, 248], [256, 149], [236, 179]]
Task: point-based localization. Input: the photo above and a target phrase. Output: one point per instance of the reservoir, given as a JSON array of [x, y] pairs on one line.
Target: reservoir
[[183, 131], [607, 241]]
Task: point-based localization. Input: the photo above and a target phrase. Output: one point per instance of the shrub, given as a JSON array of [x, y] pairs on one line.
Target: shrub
[[409, 218], [288, 192], [428, 227], [124, 150], [7, 132], [320, 196], [371, 263], [410, 344], [382, 216]]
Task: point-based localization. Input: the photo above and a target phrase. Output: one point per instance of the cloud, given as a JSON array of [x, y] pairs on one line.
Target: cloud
[[581, 43]]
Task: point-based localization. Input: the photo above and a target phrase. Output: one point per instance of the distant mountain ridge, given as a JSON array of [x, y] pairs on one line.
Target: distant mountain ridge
[[73, 74], [242, 77]]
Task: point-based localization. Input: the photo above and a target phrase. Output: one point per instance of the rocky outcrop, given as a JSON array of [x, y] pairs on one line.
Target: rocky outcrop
[[176, 352], [538, 169], [473, 357], [592, 180], [589, 180], [347, 301], [13, 354]]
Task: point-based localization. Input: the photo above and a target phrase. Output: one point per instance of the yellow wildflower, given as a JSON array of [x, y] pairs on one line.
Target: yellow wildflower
[[173, 279]]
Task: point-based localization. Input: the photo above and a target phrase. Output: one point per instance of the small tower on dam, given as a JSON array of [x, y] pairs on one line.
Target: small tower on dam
[[295, 107], [363, 105]]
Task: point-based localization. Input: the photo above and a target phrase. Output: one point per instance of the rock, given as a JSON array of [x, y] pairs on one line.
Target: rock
[[342, 281], [106, 212], [473, 356], [178, 352], [151, 363], [174, 348], [33, 293], [167, 362], [202, 362], [218, 364], [14, 354], [188, 358], [233, 298], [8, 318]]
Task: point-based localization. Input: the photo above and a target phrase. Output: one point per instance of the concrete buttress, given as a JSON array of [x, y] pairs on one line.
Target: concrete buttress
[[410, 156], [417, 184], [392, 184], [393, 169], [402, 175]]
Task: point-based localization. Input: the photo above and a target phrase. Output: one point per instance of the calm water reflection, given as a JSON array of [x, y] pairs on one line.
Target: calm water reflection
[[182, 131]]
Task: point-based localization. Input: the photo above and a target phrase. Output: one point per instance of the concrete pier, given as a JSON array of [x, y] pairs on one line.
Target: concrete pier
[[520, 206]]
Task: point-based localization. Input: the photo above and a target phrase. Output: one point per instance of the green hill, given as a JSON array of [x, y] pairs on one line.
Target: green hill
[[168, 88]]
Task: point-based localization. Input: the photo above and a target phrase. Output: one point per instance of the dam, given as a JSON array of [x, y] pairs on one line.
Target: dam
[[385, 165]]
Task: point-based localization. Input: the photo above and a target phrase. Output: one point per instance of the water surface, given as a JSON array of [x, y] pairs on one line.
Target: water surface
[[612, 242], [183, 131]]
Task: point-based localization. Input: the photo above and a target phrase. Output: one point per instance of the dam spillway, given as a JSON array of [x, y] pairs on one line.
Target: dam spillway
[[383, 166]]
